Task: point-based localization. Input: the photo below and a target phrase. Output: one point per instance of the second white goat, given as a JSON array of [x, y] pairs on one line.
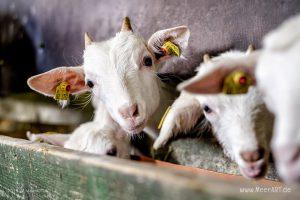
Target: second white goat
[[241, 123]]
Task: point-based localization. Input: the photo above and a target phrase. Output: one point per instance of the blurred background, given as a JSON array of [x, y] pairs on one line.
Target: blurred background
[[38, 35]]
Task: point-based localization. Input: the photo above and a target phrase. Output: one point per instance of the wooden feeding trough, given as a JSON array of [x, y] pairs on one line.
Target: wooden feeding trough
[[31, 170]]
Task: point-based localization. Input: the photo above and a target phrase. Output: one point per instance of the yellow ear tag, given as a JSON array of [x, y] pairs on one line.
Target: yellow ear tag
[[237, 82], [169, 48], [49, 133], [163, 118], [62, 91]]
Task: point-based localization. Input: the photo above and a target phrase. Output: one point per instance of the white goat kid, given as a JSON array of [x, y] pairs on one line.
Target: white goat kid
[[121, 74], [276, 71], [241, 123], [278, 77]]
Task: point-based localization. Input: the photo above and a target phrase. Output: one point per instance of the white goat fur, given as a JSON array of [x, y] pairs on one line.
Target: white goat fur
[[241, 123], [120, 79], [278, 77]]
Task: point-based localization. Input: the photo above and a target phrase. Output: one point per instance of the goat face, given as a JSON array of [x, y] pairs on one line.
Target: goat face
[[120, 73], [241, 123]]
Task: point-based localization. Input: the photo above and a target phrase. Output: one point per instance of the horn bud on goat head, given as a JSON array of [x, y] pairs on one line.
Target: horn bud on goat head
[[250, 49], [126, 26], [87, 39], [206, 58]]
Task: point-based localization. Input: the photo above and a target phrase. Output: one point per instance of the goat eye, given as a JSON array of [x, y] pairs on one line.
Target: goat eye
[[207, 109], [148, 61], [90, 84]]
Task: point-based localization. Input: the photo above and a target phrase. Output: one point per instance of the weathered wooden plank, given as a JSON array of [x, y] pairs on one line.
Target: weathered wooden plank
[[39, 171]]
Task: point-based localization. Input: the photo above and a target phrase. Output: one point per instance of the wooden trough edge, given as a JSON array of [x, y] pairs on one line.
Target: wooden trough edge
[[30, 170]]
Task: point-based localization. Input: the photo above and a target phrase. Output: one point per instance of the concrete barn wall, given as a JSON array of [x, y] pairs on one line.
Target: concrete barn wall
[[57, 27]]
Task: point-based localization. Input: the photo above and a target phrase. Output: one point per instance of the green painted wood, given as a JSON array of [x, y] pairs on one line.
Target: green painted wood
[[39, 171]]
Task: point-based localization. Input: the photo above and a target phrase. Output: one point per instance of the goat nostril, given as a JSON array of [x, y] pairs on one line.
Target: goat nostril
[[261, 153], [129, 111], [252, 156], [112, 152], [136, 111]]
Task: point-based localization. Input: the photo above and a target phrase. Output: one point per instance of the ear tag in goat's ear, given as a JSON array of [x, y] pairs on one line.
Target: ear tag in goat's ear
[[237, 82], [169, 48], [163, 118], [49, 133], [62, 91]]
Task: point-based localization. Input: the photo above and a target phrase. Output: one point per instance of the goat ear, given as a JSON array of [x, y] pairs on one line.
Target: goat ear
[[47, 82], [177, 35], [212, 83]]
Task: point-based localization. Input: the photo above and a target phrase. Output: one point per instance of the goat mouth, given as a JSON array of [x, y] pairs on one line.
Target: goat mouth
[[137, 128], [254, 171]]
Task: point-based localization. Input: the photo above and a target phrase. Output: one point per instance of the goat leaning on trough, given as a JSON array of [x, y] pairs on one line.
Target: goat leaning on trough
[[127, 95]]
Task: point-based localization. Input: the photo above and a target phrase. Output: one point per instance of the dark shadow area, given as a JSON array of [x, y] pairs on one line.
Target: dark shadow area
[[17, 56]]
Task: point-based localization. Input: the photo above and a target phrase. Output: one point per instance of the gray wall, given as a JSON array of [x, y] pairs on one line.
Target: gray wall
[[57, 26]]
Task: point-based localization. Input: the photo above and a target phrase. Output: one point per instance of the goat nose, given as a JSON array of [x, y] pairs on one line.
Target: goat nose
[[252, 156], [129, 111]]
